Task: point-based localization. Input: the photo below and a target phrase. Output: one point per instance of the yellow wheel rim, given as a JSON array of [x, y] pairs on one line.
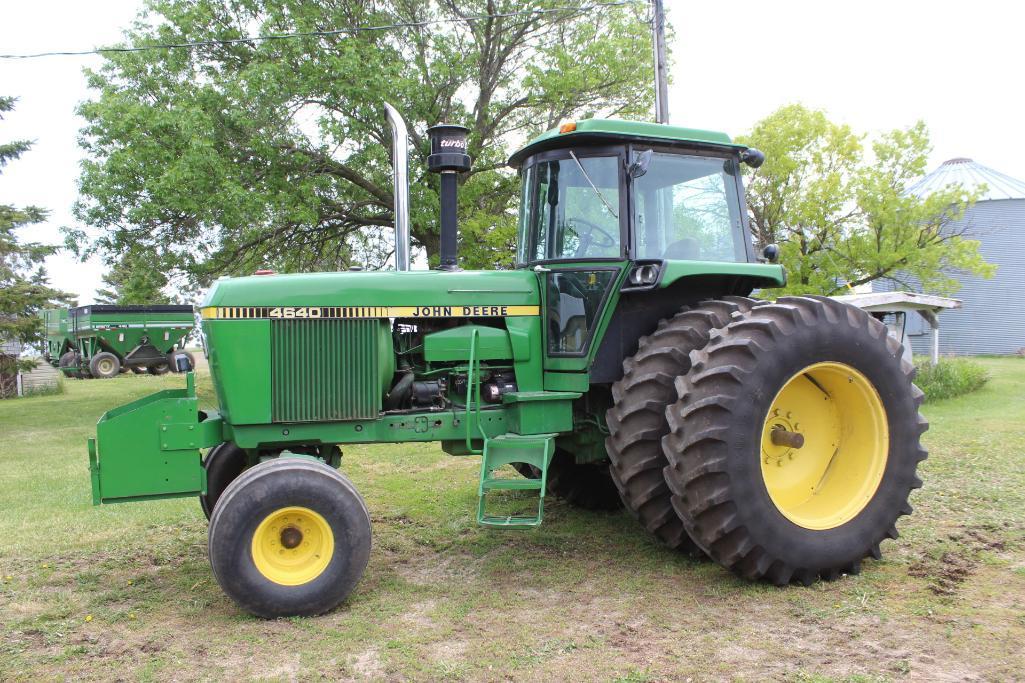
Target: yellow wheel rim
[[827, 480], [106, 366], [293, 546]]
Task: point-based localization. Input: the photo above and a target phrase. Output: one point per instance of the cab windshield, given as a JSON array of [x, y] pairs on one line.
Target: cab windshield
[[570, 209]]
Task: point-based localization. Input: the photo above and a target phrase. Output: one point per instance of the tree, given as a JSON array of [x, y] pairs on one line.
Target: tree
[[24, 290], [134, 279], [844, 216], [230, 157]]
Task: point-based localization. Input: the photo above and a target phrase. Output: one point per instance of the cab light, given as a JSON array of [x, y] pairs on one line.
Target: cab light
[[643, 275], [568, 127]]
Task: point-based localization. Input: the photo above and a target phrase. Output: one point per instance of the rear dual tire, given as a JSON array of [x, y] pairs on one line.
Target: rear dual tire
[[289, 537], [637, 420], [805, 365]]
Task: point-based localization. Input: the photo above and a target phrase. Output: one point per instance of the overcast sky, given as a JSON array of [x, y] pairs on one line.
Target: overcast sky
[[874, 65]]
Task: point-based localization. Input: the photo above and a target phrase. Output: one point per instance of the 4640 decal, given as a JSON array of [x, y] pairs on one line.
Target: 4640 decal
[[296, 312]]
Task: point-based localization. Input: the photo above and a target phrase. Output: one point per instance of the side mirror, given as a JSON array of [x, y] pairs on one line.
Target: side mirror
[[771, 253], [639, 166], [752, 157]]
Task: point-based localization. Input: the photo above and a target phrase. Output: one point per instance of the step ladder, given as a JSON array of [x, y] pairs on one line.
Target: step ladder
[[536, 450]]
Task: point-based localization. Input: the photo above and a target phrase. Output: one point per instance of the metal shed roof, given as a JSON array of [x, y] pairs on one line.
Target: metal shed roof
[[970, 174]]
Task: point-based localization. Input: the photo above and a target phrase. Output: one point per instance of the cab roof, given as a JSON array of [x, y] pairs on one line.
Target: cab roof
[[592, 131]]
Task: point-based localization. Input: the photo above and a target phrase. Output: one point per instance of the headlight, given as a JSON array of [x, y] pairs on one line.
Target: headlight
[[643, 275]]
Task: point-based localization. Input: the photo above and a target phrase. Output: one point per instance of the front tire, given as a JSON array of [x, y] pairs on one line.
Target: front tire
[[289, 537], [765, 503]]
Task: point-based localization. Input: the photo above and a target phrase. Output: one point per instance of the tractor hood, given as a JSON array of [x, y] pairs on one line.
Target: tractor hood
[[426, 288]]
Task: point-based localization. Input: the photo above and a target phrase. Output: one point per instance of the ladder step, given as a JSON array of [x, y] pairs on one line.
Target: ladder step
[[511, 484], [535, 450], [510, 522]]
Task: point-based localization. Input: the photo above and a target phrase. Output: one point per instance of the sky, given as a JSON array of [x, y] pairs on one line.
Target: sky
[[873, 65]]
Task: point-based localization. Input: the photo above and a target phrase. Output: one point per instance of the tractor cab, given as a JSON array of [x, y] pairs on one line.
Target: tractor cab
[[629, 207], [621, 190]]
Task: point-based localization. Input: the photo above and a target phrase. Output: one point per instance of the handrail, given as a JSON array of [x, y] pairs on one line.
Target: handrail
[[473, 381]]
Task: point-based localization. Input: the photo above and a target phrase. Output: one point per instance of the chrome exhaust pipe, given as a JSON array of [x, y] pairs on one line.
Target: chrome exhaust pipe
[[400, 185]]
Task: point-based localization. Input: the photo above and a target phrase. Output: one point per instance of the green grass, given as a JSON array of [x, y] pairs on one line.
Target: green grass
[[124, 591], [950, 377]]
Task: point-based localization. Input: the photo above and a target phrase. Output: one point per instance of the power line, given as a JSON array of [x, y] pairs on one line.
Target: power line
[[319, 34]]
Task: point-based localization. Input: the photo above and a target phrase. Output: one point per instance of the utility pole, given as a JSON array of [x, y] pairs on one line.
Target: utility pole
[[658, 42]]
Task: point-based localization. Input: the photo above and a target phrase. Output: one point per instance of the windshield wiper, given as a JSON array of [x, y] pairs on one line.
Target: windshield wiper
[[596, 190]]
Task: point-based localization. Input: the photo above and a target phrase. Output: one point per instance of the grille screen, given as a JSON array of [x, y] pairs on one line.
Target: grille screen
[[324, 370]]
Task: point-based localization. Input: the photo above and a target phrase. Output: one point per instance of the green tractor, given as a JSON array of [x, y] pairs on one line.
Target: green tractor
[[621, 362]]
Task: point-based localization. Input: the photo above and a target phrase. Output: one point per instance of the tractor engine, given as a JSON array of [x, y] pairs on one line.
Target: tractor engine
[[335, 359]]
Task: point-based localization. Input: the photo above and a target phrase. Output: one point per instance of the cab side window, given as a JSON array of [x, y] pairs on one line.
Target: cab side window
[[686, 208]]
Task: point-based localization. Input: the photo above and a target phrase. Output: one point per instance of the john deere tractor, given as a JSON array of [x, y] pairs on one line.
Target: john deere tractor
[[621, 362]]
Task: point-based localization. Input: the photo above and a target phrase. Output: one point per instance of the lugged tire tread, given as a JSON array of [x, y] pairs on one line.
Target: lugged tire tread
[[697, 466], [648, 385]]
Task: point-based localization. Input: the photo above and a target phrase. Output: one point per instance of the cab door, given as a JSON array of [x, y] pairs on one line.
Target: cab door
[[573, 227]]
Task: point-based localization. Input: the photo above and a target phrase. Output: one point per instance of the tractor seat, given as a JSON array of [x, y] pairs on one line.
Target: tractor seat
[[686, 249]]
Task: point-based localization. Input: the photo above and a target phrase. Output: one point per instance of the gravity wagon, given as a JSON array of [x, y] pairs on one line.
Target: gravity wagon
[[102, 341]]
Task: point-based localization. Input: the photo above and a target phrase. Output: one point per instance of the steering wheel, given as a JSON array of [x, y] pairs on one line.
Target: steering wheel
[[587, 237]]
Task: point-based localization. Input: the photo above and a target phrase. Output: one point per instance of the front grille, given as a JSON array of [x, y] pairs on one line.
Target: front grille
[[324, 370]]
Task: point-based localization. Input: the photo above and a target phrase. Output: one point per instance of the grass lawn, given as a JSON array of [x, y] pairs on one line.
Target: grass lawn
[[124, 591]]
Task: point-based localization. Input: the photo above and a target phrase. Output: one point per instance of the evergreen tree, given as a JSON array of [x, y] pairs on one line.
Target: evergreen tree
[[24, 288]]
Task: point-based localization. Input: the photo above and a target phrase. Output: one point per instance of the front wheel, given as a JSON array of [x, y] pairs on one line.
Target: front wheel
[[795, 440], [289, 537]]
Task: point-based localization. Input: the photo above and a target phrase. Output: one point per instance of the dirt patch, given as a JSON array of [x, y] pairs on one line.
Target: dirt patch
[[952, 567], [449, 650], [944, 574], [367, 664], [429, 570], [978, 539], [419, 615]]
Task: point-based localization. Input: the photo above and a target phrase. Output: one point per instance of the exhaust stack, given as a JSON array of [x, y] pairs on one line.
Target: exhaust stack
[[448, 157], [400, 185]]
